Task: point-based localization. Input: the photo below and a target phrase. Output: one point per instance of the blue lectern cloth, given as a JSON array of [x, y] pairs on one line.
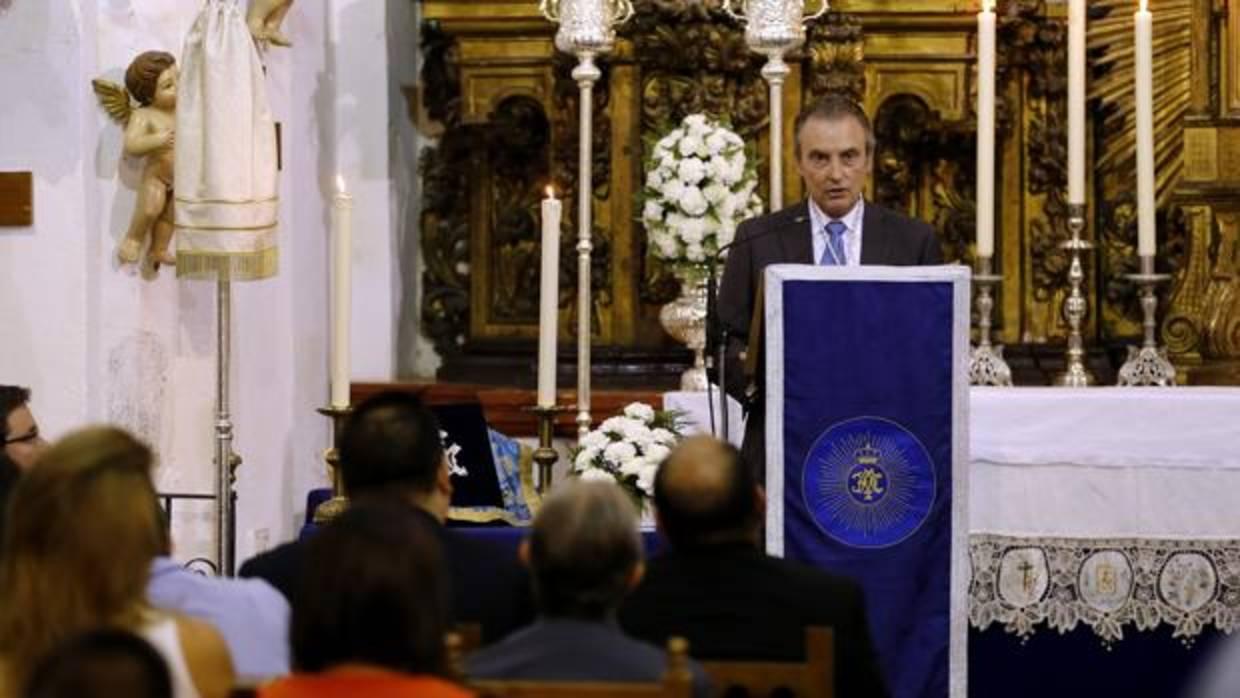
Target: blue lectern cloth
[[866, 394]]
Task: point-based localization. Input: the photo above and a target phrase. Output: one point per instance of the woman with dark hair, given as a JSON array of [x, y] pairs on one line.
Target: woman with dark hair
[[370, 616]]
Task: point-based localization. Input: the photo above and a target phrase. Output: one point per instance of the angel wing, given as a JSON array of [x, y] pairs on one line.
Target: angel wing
[[114, 99]]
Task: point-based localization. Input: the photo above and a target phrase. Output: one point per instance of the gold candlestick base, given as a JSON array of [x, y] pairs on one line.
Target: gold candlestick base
[[545, 456], [339, 502]]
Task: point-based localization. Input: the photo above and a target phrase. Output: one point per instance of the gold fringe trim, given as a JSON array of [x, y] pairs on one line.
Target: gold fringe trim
[[228, 266], [484, 515]]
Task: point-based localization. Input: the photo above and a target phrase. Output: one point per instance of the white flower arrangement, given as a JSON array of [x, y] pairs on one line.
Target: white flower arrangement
[[628, 449], [699, 186]]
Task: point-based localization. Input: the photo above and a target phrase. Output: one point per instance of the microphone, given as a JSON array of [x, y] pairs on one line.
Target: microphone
[[717, 332]]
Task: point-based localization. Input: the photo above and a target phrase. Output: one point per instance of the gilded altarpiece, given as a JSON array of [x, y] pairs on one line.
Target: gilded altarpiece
[[505, 110]]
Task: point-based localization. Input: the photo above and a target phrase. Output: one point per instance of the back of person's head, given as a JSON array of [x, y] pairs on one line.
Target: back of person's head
[[585, 550], [391, 441], [82, 531], [374, 592], [704, 494], [105, 663], [11, 397]]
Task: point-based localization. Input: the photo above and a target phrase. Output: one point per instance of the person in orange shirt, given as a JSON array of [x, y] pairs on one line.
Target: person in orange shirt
[[370, 617]]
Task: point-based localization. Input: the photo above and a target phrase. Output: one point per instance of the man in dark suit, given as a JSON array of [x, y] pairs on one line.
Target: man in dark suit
[[718, 590], [585, 554], [390, 447], [835, 226]]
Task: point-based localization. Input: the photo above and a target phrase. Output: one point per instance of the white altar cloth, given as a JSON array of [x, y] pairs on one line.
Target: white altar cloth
[[1104, 506]]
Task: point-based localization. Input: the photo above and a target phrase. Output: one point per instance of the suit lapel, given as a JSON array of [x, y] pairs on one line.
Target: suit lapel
[[795, 236], [874, 240]]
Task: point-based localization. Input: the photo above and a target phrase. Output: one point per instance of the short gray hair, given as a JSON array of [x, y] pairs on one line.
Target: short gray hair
[[583, 548], [834, 107]]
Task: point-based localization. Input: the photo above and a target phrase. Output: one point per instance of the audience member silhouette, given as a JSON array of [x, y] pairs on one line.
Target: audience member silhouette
[[370, 616], [585, 555], [82, 532], [390, 447], [105, 663], [717, 589]]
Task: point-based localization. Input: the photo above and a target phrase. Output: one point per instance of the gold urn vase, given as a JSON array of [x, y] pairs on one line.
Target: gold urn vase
[[685, 320]]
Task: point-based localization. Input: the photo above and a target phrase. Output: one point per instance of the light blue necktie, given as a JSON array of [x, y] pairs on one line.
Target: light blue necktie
[[835, 253]]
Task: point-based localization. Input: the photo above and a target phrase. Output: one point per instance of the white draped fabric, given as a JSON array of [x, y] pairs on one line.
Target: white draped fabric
[[1111, 507], [226, 202]]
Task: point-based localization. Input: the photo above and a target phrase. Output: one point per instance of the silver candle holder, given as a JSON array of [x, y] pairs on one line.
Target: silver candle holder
[[1075, 374], [587, 30], [986, 364], [772, 29], [1148, 365]]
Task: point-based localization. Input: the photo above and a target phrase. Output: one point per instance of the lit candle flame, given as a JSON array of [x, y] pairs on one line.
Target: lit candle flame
[[340, 188], [988, 5], [1144, 6], [550, 191]]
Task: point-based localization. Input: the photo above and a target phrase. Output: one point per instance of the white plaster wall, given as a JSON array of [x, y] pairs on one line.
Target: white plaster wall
[[358, 55], [415, 354], [137, 348], [44, 128], [100, 343]]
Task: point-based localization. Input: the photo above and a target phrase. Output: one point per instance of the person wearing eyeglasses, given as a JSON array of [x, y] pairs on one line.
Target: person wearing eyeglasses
[[22, 443]]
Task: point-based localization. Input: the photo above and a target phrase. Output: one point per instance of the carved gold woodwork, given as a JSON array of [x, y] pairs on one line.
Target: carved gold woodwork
[[1222, 321], [1183, 322], [1231, 47], [490, 65]]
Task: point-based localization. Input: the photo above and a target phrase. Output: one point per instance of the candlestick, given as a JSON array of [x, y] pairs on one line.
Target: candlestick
[[545, 456], [549, 299], [342, 243], [1148, 366], [1143, 26], [986, 363], [339, 502], [1075, 306], [1076, 101], [985, 131]]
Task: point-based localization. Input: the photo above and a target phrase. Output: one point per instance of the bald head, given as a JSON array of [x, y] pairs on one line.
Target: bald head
[[705, 494]]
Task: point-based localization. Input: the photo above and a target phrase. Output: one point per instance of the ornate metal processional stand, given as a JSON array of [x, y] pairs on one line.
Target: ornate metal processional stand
[[587, 30]]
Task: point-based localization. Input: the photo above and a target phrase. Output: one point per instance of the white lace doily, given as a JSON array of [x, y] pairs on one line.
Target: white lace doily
[[1106, 584]]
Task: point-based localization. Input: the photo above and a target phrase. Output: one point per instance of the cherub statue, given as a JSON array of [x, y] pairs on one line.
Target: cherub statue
[[264, 18], [150, 132]]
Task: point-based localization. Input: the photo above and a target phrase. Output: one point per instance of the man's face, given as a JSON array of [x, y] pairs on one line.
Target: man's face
[[834, 162], [23, 444], [166, 89]]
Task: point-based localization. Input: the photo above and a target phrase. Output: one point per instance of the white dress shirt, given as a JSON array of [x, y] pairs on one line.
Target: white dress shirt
[[852, 236]]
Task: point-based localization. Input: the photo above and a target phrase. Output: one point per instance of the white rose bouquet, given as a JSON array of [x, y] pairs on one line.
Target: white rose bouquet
[[628, 449], [700, 185]]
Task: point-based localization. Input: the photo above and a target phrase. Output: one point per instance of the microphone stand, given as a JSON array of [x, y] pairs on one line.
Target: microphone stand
[[717, 339]]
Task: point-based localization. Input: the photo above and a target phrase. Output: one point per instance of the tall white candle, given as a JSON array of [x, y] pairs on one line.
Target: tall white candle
[[548, 299], [986, 131], [1143, 23], [342, 244], [1076, 101]]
